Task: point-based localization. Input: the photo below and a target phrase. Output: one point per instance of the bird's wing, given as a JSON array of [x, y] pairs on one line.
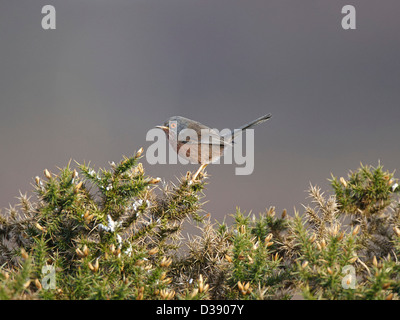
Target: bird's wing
[[209, 136], [213, 137]]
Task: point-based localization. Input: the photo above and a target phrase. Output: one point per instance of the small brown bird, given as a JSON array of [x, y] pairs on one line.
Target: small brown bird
[[207, 145]]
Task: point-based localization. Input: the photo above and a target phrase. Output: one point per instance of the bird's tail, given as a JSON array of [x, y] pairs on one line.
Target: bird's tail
[[231, 137], [255, 122]]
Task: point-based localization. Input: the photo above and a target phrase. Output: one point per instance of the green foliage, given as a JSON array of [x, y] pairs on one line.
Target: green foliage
[[255, 255], [15, 285], [369, 198], [107, 235], [356, 259], [366, 191], [117, 234]]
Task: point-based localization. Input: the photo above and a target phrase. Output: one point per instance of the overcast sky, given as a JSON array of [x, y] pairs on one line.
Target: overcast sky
[[91, 89]]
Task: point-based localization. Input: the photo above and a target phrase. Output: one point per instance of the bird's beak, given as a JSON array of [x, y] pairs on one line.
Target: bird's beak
[[163, 127]]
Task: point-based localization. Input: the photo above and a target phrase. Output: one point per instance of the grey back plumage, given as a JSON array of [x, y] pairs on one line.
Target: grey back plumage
[[185, 123]]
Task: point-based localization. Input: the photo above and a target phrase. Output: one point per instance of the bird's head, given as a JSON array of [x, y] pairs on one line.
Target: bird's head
[[174, 125]]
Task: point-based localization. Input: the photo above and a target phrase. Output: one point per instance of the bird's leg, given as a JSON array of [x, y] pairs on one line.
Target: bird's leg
[[202, 167]]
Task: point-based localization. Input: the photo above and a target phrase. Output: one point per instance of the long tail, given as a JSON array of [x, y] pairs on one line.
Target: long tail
[[255, 122], [229, 138]]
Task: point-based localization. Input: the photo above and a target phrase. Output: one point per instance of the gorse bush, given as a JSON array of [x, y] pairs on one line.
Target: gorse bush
[[357, 259], [117, 234]]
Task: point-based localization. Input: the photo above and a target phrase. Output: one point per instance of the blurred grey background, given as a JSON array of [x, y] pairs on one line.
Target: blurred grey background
[[91, 89]]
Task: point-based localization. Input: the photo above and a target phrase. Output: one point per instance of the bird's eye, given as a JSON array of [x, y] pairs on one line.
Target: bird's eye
[[173, 125]]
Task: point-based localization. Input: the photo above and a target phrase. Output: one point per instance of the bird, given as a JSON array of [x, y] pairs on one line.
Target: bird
[[202, 149]]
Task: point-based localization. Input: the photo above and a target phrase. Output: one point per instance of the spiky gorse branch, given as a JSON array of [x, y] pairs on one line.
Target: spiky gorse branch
[[107, 232], [322, 255], [205, 259], [241, 261], [256, 254], [347, 245], [369, 197], [116, 234], [366, 192], [14, 284]]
